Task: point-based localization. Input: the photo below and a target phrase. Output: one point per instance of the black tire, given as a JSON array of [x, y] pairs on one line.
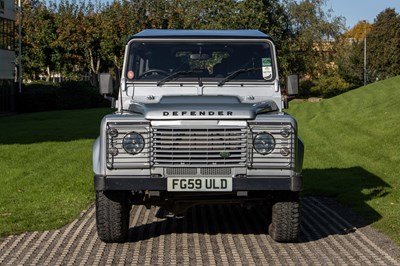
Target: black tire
[[285, 220], [112, 216]]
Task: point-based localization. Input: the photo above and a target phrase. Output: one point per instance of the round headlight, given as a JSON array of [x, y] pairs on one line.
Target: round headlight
[[264, 143], [133, 143]]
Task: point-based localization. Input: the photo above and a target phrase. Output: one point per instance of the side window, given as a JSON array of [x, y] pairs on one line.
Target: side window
[[134, 65], [138, 61]]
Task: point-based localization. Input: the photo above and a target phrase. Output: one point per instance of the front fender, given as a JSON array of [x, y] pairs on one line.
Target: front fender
[[96, 157], [299, 156]]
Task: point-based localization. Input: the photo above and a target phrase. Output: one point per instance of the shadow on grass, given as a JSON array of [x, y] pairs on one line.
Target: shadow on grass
[[353, 187], [322, 215], [51, 126]]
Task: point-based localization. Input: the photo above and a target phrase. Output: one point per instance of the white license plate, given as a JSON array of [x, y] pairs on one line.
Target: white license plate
[[201, 184]]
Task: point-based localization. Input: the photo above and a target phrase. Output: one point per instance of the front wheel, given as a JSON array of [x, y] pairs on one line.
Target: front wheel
[[112, 216], [285, 220]]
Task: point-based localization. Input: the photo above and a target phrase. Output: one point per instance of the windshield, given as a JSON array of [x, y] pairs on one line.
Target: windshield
[[199, 61]]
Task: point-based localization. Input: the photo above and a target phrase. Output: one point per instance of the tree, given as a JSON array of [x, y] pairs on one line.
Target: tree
[[209, 14], [358, 32], [350, 54], [71, 37], [91, 40], [37, 38], [383, 46], [68, 50], [316, 33], [270, 17], [116, 29]]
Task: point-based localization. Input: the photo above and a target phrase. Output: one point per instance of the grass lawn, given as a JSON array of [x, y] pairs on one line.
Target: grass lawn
[[45, 168], [352, 152]]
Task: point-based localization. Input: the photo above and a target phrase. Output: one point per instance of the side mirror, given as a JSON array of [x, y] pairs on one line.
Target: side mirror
[[292, 84], [106, 83]]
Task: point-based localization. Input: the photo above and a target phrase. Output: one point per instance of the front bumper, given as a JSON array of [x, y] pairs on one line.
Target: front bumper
[[160, 184]]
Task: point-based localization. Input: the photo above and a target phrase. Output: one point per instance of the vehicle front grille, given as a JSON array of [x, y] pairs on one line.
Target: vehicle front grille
[[183, 147], [215, 171], [203, 171], [181, 171]]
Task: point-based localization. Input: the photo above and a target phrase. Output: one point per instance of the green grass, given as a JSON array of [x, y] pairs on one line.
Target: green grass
[[352, 145], [352, 154], [45, 168]]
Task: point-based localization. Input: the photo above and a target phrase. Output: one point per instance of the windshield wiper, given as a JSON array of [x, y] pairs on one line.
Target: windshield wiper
[[235, 73], [173, 76]]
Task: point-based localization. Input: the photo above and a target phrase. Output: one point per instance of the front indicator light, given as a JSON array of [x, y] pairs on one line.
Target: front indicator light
[[113, 132], [285, 151], [285, 132], [113, 151], [133, 143], [264, 143]]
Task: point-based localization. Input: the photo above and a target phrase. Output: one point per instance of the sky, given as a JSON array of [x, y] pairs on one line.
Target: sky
[[356, 10]]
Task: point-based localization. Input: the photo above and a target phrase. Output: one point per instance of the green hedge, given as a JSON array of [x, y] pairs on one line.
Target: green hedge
[[329, 86], [47, 96], [325, 86]]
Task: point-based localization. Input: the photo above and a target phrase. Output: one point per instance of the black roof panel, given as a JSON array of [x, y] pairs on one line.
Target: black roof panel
[[229, 34]]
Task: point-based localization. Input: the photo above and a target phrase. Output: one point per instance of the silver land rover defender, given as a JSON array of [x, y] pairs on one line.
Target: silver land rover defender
[[199, 120]]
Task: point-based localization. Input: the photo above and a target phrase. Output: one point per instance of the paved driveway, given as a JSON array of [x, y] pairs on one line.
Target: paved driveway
[[207, 235]]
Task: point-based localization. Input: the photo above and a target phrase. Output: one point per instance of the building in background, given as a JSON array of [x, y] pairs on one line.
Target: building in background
[[7, 56]]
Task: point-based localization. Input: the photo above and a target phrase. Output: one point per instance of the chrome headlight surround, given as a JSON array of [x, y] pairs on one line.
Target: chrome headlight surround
[[264, 143], [133, 143]]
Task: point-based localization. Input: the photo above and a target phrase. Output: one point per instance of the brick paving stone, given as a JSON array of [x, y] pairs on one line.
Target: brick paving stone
[[208, 235]]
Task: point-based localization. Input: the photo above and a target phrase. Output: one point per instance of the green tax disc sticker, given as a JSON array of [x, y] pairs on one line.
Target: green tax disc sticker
[[267, 68]]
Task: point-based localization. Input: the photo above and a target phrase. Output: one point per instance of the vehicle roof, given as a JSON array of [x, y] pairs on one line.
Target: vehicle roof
[[217, 34]]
